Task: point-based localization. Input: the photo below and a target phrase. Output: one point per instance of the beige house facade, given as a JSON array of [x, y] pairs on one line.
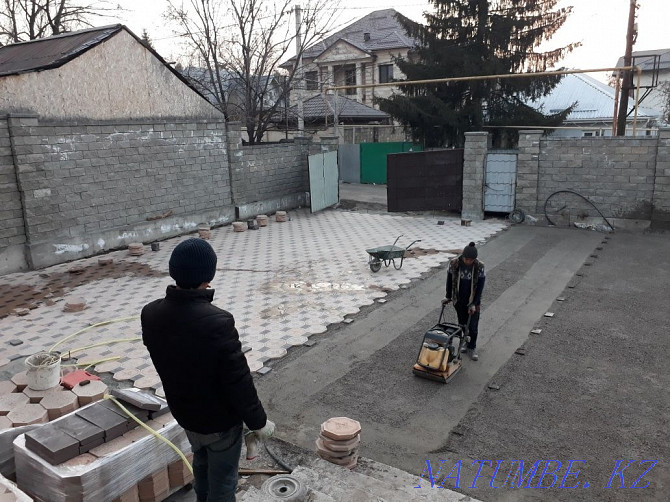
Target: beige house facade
[[361, 54]]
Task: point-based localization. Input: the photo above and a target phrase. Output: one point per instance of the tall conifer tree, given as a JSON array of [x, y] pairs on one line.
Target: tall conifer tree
[[465, 38]]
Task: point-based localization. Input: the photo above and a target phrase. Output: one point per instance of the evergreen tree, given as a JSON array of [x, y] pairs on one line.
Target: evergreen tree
[[464, 38], [146, 41]]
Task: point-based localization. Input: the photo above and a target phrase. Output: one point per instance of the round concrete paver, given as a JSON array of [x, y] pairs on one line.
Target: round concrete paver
[[36, 396], [28, 414], [58, 404], [20, 380], [340, 428], [7, 387], [91, 392], [11, 402]]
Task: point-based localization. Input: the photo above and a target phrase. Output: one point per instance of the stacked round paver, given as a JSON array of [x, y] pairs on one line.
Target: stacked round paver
[[136, 249], [74, 305], [339, 440], [204, 231]]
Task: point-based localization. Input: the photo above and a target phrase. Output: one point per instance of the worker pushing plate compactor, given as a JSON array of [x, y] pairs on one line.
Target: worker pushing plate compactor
[[440, 354]]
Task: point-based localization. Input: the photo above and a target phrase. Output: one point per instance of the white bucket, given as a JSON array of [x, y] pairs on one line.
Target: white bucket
[[43, 370]]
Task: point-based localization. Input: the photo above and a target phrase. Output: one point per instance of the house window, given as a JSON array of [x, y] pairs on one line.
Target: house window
[[385, 73], [350, 79], [311, 80]]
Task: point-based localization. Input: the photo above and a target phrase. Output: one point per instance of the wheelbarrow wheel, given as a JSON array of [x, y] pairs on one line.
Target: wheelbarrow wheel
[[375, 265]]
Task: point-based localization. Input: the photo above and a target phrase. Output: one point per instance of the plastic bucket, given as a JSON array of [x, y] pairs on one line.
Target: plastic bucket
[[43, 370]]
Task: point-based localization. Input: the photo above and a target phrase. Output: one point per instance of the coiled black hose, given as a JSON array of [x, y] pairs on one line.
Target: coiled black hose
[[546, 203]]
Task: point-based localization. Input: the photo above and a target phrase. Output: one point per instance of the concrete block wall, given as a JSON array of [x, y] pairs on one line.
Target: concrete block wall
[[661, 199], [474, 157], [616, 174], [12, 229], [93, 186], [266, 171]]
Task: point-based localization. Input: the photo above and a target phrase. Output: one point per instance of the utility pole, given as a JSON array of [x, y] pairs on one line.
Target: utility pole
[[299, 71], [627, 83]]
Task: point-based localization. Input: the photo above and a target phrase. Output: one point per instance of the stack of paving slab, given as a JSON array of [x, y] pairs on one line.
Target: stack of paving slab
[[339, 440], [96, 453], [23, 409]]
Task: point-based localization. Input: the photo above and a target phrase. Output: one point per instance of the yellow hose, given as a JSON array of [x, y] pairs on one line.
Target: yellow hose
[[96, 325], [89, 364], [109, 342], [153, 432]]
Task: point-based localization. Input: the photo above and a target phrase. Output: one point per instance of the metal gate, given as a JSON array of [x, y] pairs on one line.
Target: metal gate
[[374, 162], [349, 157], [324, 189], [425, 181], [500, 181]]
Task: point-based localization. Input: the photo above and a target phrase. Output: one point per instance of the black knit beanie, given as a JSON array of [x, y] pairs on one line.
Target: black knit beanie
[[192, 262], [470, 251]]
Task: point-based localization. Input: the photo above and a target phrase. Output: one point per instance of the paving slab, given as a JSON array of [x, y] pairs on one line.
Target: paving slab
[[283, 283]]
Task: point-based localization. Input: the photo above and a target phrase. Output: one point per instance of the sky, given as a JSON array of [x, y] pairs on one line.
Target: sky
[[600, 25]]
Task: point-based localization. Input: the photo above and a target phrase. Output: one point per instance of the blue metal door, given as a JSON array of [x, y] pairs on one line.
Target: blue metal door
[[500, 181], [324, 189]]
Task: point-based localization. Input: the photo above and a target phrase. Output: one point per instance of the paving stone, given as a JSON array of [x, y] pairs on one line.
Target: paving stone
[[58, 404], [36, 396], [28, 414], [91, 392], [20, 380], [5, 423], [340, 428], [7, 387], [130, 495], [52, 444], [262, 220], [155, 486], [111, 447], [10, 402], [80, 460], [88, 435], [74, 305], [278, 258], [340, 445], [239, 226], [178, 473], [280, 216], [111, 422]]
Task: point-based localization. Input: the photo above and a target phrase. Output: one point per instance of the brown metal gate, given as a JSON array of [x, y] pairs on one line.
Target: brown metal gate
[[425, 181]]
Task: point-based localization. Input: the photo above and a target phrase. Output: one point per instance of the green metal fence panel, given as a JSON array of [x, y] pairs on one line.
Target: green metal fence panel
[[373, 159]]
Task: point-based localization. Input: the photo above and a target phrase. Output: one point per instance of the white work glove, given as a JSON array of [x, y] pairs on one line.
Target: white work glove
[[267, 431], [472, 309]]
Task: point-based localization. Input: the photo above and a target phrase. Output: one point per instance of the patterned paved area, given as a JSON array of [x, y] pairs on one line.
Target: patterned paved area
[[282, 283]]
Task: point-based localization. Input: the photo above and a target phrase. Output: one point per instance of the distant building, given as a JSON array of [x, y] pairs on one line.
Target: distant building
[[594, 111], [104, 73], [362, 53]]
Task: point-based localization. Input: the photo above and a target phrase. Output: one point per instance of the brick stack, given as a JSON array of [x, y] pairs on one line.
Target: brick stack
[[339, 441]]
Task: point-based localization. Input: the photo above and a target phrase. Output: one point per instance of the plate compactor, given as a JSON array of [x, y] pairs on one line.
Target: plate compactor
[[440, 355]]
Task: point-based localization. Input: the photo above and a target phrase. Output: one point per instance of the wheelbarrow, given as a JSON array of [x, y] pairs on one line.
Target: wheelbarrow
[[387, 255]]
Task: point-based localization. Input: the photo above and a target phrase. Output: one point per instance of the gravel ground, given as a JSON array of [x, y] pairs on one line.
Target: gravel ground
[[593, 386]]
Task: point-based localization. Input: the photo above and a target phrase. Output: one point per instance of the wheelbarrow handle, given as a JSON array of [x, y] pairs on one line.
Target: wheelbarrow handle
[[396, 241], [418, 240]]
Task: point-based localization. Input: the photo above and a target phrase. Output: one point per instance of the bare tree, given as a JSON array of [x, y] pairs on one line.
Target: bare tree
[[22, 20], [241, 44], [665, 93]]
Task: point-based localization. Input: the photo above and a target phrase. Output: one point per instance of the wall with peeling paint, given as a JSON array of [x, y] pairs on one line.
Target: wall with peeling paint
[[90, 187], [118, 79]]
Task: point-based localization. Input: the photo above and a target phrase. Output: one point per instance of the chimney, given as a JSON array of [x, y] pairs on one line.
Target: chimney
[[366, 37]]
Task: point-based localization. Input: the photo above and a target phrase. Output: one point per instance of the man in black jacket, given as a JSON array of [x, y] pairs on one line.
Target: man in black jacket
[[197, 353], [465, 284]]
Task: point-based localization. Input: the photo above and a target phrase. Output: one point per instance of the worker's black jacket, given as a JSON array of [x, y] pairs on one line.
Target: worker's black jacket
[[197, 352]]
